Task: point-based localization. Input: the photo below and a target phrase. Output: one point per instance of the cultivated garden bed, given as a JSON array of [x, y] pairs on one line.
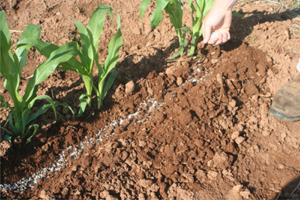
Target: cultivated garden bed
[[168, 129]]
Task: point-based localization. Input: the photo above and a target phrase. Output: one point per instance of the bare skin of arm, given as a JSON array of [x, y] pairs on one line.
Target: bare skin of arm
[[218, 20]]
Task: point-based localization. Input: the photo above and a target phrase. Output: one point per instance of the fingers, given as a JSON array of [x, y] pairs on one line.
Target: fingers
[[206, 33], [219, 37]]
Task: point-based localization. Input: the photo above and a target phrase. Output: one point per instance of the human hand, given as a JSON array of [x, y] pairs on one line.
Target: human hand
[[218, 22]]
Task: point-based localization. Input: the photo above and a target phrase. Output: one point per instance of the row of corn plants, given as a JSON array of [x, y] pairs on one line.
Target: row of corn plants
[[80, 58], [70, 56], [198, 10]]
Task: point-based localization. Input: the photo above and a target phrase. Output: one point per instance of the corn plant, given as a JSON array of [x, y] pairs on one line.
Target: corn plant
[[88, 54], [202, 8], [175, 11], [11, 64]]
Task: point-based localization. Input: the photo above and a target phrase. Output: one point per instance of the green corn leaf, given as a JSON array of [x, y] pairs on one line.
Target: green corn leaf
[[83, 104], [113, 51], [30, 32], [88, 83], [186, 29], [113, 48], [143, 7], [8, 138], [207, 6], [43, 71], [42, 109], [96, 23], [236, 14], [35, 128], [192, 8], [157, 14], [23, 122], [2, 100], [3, 104], [109, 83], [175, 11], [8, 68], [46, 49], [181, 49], [12, 126], [111, 60], [87, 56], [5, 39]]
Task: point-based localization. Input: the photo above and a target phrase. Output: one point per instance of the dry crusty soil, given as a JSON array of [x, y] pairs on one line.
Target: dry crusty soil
[[168, 129]]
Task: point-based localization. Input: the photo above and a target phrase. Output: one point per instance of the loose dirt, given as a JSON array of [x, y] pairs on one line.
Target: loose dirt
[[168, 129]]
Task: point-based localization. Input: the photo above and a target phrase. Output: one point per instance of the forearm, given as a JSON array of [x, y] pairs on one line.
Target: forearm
[[224, 4]]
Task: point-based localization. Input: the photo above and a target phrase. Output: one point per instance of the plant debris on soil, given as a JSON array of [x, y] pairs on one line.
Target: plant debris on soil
[[168, 129]]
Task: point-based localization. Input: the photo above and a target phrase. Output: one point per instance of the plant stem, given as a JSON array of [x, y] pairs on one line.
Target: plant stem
[[193, 47], [7, 131]]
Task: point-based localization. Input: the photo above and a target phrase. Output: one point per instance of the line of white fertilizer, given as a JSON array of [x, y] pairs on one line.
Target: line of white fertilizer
[[78, 149], [74, 151]]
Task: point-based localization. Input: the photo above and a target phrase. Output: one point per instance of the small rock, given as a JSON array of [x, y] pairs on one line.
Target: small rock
[[104, 194], [220, 159], [235, 135], [227, 174], [179, 80], [239, 140], [13, 3], [142, 143], [65, 192], [129, 87], [245, 194], [265, 133], [142, 196], [124, 155], [185, 117], [43, 195], [232, 103], [170, 71], [200, 174], [189, 177], [199, 143], [145, 183], [236, 188], [74, 168], [210, 163], [150, 91], [212, 174], [280, 166]]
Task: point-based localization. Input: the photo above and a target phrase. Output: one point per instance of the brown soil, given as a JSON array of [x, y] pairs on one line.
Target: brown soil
[[186, 129]]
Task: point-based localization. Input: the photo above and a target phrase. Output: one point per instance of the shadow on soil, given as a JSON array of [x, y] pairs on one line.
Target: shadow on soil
[[291, 191], [242, 27]]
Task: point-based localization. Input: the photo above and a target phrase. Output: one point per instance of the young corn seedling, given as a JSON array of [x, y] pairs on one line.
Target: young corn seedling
[[88, 54], [11, 64], [202, 8], [175, 11]]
